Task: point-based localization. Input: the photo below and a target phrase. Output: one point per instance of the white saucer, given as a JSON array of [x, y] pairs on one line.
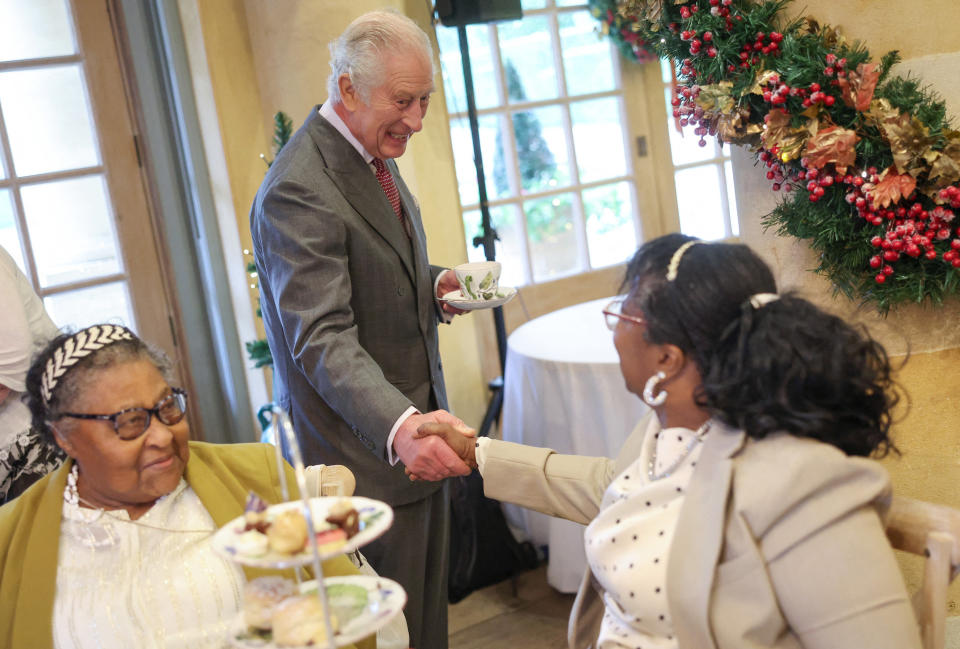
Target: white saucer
[[456, 299]]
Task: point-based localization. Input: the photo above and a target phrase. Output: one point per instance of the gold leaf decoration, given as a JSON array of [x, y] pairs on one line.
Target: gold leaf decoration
[[763, 78], [945, 164], [908, 138], [832, 144], [891, 187], [858, 86], [716, 97], [649, 10], [777, 132], [736, 127]]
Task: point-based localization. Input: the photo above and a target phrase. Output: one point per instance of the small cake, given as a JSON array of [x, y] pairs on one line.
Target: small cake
[[298, 621], [344, 516], [287, 533], [251, 544], [261, 596]]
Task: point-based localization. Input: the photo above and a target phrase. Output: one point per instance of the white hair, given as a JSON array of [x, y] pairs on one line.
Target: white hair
[[361, 49]]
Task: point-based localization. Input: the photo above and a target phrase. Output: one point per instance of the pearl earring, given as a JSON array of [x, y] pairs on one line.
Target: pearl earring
[[649, 389]]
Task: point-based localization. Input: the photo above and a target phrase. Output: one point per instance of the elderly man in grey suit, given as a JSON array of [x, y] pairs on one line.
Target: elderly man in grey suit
[[350, 302]]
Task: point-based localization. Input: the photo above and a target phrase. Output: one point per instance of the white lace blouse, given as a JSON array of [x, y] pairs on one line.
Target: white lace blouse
[[627, 544], [142, 583]]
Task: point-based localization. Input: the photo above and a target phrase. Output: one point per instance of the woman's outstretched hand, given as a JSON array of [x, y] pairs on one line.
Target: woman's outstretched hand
[[462, 439]]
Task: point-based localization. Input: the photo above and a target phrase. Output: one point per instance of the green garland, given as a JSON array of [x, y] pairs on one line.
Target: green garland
[[867, 164]]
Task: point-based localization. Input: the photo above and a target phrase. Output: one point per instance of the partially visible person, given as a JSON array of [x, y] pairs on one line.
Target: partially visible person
[[25, 455], [351, 303], [113, 548], [743, 511]]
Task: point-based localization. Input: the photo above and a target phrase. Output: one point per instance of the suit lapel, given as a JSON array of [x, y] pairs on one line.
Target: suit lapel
[[698, 538], [346, 168]]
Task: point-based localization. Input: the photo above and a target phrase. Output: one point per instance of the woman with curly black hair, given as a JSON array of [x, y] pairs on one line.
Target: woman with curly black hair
[[737, 515]]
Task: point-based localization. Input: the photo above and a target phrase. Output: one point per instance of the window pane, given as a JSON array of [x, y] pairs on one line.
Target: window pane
[[685, 146], [485, 87], [509, 248], [32, 29], [732, 198], [611, 236], [571, 3], [497, 167], [541, 143], [533, 4], [527, 52], [598, 139], [587, 60], [89, 306], [553, 242], [48, 119], [699, 202], [71, 230], [8, 229]]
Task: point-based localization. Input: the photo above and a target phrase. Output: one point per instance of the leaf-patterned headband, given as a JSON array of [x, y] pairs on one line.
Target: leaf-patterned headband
[[674, 265], [79, 345]]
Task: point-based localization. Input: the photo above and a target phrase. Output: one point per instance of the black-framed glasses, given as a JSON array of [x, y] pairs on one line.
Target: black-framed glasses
[[613, 313], [131, 423]]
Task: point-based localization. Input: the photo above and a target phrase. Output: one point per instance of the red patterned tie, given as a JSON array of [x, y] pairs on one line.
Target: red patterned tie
[[385, 178]]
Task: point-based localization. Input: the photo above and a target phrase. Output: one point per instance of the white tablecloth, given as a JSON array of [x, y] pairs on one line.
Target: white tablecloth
[[564, 390]]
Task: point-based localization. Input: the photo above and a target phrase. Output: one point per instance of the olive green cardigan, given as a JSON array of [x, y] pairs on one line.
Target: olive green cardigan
[[221, 476]]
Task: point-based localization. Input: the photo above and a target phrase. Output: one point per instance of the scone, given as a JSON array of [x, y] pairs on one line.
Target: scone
[[288, 532], [298, 621], [261, 596]]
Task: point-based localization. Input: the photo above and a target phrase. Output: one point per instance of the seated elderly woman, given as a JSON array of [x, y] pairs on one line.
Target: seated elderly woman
[[113, 548], [735, 515]]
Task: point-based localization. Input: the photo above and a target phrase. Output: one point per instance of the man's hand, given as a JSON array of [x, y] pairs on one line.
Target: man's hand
[[429, 458], [447, 284]]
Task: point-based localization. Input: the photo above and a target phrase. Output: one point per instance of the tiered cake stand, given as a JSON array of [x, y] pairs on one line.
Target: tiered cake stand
[[386, 597]]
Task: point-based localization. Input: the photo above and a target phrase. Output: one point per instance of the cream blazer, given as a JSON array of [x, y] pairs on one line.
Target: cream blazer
[[779, 543]]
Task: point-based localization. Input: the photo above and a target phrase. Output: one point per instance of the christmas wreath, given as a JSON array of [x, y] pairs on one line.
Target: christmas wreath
[[866, 162]]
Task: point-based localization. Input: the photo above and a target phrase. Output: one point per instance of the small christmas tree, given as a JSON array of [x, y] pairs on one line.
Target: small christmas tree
[[258, 351]]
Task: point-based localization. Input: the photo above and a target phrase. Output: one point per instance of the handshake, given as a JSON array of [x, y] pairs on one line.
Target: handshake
[[435, 445]]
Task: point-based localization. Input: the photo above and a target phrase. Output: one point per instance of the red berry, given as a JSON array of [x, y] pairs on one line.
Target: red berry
[[875, 261], [707, 36], [880, 278], [829, 100], [931, 254], [888, 270]]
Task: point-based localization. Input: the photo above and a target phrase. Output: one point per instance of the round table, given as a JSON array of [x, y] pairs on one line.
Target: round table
[[563, 390]]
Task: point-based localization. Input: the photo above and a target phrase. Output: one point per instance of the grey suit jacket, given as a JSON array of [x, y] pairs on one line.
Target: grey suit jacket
[[347, 302], [778, 546]]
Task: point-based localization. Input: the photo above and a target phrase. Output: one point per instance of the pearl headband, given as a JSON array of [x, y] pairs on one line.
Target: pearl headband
[[758, 300], [674, 265], [79, 345]]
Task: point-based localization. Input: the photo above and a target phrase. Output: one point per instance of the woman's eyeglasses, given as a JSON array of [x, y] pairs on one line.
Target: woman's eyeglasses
[[613, 313], [131, 423]]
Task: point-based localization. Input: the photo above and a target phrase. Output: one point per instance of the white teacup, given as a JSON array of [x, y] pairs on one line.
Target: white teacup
[[478, 280]]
